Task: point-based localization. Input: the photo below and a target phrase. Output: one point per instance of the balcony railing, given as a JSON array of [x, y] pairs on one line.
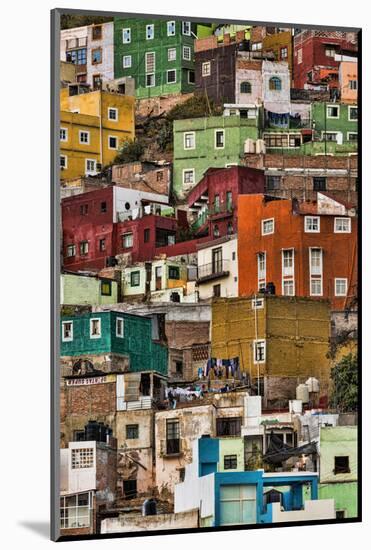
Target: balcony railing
[[214, 270]]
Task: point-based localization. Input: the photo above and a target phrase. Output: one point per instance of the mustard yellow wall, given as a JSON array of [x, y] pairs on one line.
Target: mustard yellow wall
[[90, 105]]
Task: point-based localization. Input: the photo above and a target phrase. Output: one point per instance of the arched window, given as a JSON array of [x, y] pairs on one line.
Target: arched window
[[245, 88], [275, 83]]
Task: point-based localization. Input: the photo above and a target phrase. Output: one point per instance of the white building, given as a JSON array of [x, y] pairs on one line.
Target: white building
[[218, 268]]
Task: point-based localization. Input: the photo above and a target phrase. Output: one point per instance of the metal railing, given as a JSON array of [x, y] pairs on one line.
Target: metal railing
[[214, 269]]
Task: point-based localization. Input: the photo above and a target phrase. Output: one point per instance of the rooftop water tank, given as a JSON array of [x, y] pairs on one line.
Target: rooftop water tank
[[302, 393], [313, 385]]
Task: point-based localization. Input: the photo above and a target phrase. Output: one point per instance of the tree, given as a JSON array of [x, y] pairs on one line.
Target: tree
[[130, 151], [345, 384]]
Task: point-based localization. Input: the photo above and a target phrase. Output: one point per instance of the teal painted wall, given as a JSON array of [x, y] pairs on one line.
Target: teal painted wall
[[77, 290], [205, 155], [324, 123], [159, 45], [137, 343]]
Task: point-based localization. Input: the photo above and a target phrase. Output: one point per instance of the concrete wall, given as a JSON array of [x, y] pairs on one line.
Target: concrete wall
[[313, 510], [127, 523], [76, 289], [276, 101]]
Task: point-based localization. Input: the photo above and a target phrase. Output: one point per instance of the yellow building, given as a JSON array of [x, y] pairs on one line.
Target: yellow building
[[280, 341], [93, 125]]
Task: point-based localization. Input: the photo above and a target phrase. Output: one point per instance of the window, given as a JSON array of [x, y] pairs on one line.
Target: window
[[76, 510], [112, 142], [217, 291], [147, 235], [230, 462], [341, 287], [352, 113], [275, 83], [219, 139], [179, 367], [171, 54], [330, 52], [288, 262], [130, 488], [259, 351], [82, 458], [171, 76], [97, 32], [126, 61], [316, 287], [330, 136], [187, 53], [228, 426], [63, 163], [113, 113], [77, 57], [132, 431], [106, 287], [189, 176], [174, 272], [319, 184], [67, 331], [352, 136], [273, 183], [312, 224], [191, 77], [126, 36], [284, 53], [332, 111], [95, 328], [268, 226], [71, 250], [102, 245], [230, 228], [257, 303], [186, 28], [84, 137], [150, 80], [84, 248], [84, 208], [229, 200], [288, 287], [206, 68], [245, 88], [159, 175], [103, 206], [342, 225], [352, 84], [135, 278], [127, 240], [90, 167], [300, 56], [257, 46], [340, 514], [63, 134], [315, 267], [172, 437], [119, 327], [150, 62], [150, 32], [261, 257], [96, 56], [216, 231], [341, 465], [237, 504], [171, 28], [189, 140], [97, 82]]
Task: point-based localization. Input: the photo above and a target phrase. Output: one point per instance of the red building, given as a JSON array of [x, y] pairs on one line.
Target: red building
[[214, 200], [314, 57], [92, 237], [293, 248]]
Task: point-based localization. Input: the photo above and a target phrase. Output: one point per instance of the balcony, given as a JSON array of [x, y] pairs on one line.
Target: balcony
[[214, 270], [223, 210]]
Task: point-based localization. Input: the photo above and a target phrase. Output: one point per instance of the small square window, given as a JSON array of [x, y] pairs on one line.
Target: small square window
[[189, 176], [189, 140], [342, 225], [127, 240], [113, 113], [135, 278], [103, 206], [330, 52], [71, 250], [84, 248], [187, 53], [174, 272], [341, 287], [316, 287], [353, 85], [102, 245], [150, 32], [268, 226], [126, 61], [130, 488], [132, 431], [217, 291], [319, 184], [82, 458], [97, 32], [63, 134], [90, 167], [171, 54], [150, 80], [171, 76], [288, 287], [341, 465], [96, 56], [230, 462], [273, 183], [219, 139], [332, 111], [106, 287], [63, 162], [191, 77], [119, 327], [67, 331], [206, 68], [257, 303], [186, 28], [259, 351], [84, 137], [312, 224], [95, 328], [126, 36], [353, 113], [112, 142], [171, 28]]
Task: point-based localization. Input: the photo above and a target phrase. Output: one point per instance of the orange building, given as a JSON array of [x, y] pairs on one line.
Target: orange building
[[348, 79], [293, 248]]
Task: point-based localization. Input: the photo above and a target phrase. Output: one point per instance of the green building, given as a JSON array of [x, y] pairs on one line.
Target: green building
[[338, 468], [337, 122], [122, 339], [77, 289], [158, 54], [202, 143]]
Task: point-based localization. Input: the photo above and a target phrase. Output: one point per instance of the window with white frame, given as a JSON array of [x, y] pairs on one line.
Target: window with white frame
[[171, 28], [171, 76], [341, 287], [150, 32], [288, 287], [84, 248], [262, 266], [126, 36], [63, 134], [112, 142], [257, 303], [63, 162], [113, 114], [84, 137], [186, 28], [90, 166], [189, 140], [150, 80], [127, 240], [312, 224], [187, 53], [82, 458], [67, 331], [95, 328], [259, 351], [352, 113], [76, 510], [171, 54], [206, 68], [71, 250], [150, 62], [315, 269], [268, 226], [332, 111], [119, 327], [188, 176], [353, 84], [352, 136], [342, 225], [288, 262], [330, 136], [219, 139], [126, 61], [330, 52]]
